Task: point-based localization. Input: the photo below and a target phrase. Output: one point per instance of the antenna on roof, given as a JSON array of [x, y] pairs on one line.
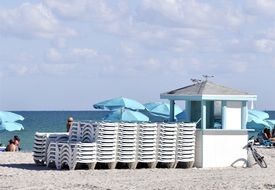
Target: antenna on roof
[[196, 81], [206, 77]]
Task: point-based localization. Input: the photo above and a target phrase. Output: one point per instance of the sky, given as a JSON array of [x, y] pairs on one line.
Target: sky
[[70, 54]]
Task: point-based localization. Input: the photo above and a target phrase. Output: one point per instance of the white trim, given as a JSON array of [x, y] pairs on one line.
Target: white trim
[[208, 97], [203, 114], [224, 115], [244, 114]]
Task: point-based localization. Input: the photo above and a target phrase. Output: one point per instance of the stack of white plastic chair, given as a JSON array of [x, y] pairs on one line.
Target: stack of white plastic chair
[[39, 148], [147, 144], [167, 143], [65, 155], [57, 137], [106, 143], [127, 144], [84, 153], [186, 142], [83, 132], [53, 154], [75, 132], [41, 142], [88, 131]]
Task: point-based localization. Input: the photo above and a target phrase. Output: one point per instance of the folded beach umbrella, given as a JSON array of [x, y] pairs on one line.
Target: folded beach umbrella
[[271, 122], [161, 108], [11, 126], [126, 115], [257, 123], [6, 116], [7, 121], [119, 102], [181, 116], [259, 114]]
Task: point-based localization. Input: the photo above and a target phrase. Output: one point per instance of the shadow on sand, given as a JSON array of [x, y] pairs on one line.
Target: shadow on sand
[[26, 166]]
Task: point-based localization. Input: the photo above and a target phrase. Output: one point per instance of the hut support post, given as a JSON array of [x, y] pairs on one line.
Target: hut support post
[[172, 110], [244, 114], [224, 106], [203, 114]]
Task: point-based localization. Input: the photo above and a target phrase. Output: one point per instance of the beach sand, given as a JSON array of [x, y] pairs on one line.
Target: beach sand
[[18, 171]]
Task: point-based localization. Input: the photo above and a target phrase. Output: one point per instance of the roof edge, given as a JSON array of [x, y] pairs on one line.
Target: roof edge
[[209, 97]]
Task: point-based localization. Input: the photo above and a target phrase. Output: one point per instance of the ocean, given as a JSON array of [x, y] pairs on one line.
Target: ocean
[[46, 121], [53, 121]]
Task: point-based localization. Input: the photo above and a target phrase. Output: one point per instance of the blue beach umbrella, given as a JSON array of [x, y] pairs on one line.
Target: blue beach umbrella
[[7, 121], [11, 126], [259, 114], [161, 108], [120, 102], [257, 120], [6, 116], [271, 122], [181, 116], [126, 115]]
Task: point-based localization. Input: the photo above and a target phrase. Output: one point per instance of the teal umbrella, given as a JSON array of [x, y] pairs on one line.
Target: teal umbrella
[[271, 122], [8, 121], [6, 116], [120, 102], [126, 115], [161, 108], [11, 126], [259, 114], [257, 120]]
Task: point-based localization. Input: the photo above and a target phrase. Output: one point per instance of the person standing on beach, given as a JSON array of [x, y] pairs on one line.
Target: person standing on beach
[[69, 123]]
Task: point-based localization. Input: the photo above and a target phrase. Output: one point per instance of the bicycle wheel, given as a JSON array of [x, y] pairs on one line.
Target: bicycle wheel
[[259, 159]]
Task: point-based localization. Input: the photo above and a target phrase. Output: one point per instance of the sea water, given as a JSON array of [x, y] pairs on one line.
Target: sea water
[[46, 121], [53, 121]]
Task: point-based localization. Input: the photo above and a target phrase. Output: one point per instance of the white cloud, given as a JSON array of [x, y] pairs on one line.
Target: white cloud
[[53, 55], [84, 52], [189, 13], [264, 45], [24, 56], [31, 20], [82, 9], [260, 7], [56, 69], [22, 69], [238, 66]]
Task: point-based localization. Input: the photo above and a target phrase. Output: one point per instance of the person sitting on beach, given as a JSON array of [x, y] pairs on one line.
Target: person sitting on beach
[[267, 134], [11, 147], [273, 135], [69, 123], [264, 137], [273, 132], [16, 140]]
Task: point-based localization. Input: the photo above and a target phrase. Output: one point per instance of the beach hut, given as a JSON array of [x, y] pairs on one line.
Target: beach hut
[[209, 103]]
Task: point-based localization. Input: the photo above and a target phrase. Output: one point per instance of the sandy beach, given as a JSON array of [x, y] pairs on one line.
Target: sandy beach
[[18, 171]]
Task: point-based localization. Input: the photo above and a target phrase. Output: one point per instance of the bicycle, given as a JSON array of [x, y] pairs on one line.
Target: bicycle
[[258, 158]]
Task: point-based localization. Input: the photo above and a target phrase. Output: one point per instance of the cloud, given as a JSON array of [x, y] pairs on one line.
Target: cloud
[[82, 9], [24, 56], [260, 8], [53, 55], [32, 20], [84, 52], [238, 66], [189, 13], [264, 45], [21, 69]]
